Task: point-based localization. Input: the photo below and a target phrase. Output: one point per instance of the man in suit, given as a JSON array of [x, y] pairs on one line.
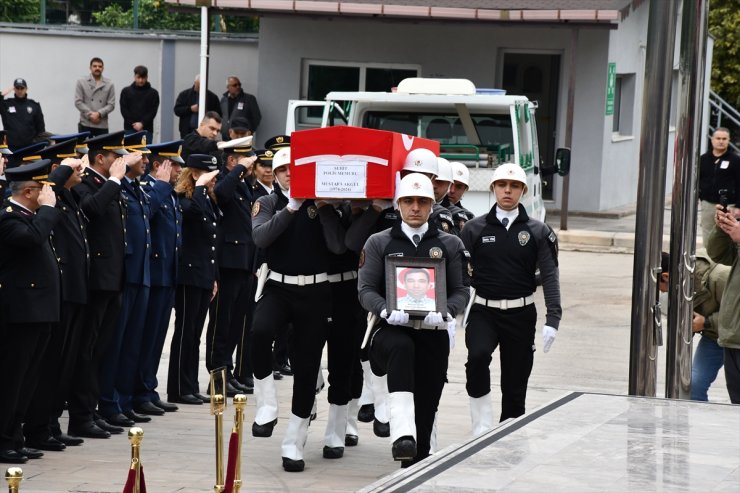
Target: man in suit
[[186, 107], [29, 297], [99, 195]]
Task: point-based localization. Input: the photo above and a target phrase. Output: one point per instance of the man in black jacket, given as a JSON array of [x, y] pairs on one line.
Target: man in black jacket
[[22, 117], [139, 104], [186, 107], [235, 103]]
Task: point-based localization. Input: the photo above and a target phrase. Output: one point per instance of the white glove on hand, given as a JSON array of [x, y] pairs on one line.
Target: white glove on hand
[[382, 204], [396, 317], [433, 318], [548, 337], [451, 326]]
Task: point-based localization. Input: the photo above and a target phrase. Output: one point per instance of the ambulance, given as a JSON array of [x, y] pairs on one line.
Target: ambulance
[[480, 128]]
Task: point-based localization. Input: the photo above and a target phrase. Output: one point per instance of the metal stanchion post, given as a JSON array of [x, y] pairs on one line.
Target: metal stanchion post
[[218, 405], [135, 436], [14, 476], [240, 402]]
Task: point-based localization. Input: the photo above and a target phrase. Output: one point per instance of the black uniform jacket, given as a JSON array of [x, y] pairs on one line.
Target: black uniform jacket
[[30, 290], [199, 225], [235, 245]]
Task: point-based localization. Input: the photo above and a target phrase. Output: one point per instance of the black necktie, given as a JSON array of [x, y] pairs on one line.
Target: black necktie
[[136, 188], [505, 221], [416, 239]]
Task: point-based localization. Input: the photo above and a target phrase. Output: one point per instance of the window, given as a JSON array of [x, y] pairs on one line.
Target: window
[[624, 104]]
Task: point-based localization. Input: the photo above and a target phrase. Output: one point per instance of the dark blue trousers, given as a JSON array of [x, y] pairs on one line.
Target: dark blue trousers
[[158, 313]]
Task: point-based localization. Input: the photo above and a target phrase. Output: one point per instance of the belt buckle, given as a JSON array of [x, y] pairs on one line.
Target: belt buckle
[[301, 280]]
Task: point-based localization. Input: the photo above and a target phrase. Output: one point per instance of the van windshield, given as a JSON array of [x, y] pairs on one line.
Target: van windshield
[[493, 131]]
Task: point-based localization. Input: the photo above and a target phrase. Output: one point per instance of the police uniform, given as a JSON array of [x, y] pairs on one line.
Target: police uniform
[[503, 264], [264, 156], [103, 204], [30, 294], [22, 118], [197, 273], [166, 232]]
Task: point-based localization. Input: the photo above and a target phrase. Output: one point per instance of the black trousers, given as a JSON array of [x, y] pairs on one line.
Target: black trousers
[[243, 338], [343, 340], [158, 313], [47, 403], [24, 348], [732, 373], [191, 308], [308, 308], [415, 361], [513, 332], [226, 317], [100, 322]]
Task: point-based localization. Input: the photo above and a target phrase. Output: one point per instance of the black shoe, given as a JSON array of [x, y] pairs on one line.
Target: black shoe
[[404, 448], [184, 399], [12, 457], [243, 389], [264, 430], [69, 441], [351, 440], [148, 409], [165, 406], [49, 443], [120, 420], [136, 417], [277, 376], [290, 465], [283, 368], [88, 430], [382, 430], [247, 382], [366, 414], [204, 398], [332, 452], [104, 425], [31, 453]]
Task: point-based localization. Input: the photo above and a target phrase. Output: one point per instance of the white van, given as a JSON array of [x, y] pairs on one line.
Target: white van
[[480, 128]]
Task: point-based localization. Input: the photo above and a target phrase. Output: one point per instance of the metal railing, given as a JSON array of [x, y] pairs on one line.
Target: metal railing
[[723, 114]]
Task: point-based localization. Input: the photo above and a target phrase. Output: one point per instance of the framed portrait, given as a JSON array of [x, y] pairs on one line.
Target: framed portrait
[[416, 285]]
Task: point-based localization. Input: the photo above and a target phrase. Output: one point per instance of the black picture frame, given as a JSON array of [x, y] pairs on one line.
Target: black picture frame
[[419, 307]]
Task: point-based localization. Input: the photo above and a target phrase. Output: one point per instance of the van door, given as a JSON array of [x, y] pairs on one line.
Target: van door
[[303, 115]]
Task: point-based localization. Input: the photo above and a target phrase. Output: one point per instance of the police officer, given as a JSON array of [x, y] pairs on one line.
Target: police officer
[[453, 200], [226, 321], [22, 117], [262, 182], [506, 247], [197, 275], [297, 236], [165, 222], [413, 353], [29, 297], [99, 196], [426, 162]]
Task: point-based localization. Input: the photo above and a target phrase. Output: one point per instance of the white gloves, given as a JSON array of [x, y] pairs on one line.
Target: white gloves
[[294, 204], [451, 326], [548, 337], [396, 317], [382, 204], [433, 318]]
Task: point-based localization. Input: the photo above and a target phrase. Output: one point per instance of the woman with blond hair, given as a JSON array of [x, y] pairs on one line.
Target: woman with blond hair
[[196, 277]]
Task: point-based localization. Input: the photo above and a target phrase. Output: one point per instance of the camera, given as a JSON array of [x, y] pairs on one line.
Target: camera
[[723, 199]]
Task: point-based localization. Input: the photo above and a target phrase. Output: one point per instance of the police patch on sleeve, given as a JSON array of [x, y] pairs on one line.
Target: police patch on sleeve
[[445, 227], [552, 237], [523, 237], [362, 259], [255, 209]]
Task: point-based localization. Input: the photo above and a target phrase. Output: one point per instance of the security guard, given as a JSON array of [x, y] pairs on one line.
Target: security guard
[[22, 117], [297, 236], [197, 275], [30, 295], [99, 196], [226, 321], [506, 247], [165, 166], [413, 353]]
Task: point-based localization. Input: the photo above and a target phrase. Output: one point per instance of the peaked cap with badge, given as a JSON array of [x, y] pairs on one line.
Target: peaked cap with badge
[[25, 154], [170, 150], [278, 142], [204, 162], [112, 142], [79, 139], [37, 171], [136, 142]]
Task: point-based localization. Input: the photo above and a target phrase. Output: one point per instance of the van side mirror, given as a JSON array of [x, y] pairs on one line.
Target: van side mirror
[[562, 161]]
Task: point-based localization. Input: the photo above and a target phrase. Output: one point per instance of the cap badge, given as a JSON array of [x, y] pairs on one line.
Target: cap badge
[[416, 185], [214, 160], [417, 162], [459, 172], [268, 153], [279, 140]]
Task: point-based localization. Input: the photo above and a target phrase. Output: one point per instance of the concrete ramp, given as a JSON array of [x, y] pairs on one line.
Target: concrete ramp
[[590, 443]]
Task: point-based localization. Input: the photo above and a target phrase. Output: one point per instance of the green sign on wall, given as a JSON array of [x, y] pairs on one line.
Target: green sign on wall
[[611, 82]]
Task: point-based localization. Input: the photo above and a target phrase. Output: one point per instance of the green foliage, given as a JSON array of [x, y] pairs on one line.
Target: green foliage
[[19, 11], [724, 25]]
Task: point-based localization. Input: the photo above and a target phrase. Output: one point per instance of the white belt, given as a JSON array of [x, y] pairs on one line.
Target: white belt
[[344, 276], [505, 304], [299, 280]]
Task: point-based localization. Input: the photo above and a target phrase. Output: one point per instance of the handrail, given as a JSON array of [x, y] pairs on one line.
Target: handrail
[[724, 112]]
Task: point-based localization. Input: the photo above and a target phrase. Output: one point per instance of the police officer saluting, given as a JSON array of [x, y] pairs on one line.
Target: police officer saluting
[[413, 353], [506, 247]]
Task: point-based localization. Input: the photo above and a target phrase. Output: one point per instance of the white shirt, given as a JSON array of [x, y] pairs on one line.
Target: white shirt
[[410, 232], [510, 215]]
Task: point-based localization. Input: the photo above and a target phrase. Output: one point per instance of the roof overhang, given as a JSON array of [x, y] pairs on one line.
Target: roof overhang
[[549, 11]]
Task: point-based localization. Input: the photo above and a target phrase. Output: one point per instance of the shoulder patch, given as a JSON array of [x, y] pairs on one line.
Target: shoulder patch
[[552, 237], [255, 209]]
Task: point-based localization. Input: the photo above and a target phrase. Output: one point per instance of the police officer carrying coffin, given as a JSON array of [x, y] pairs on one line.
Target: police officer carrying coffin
[[413, 353], [453, 200], [165, 166], [506, 248], [297, 236], [30, 295]]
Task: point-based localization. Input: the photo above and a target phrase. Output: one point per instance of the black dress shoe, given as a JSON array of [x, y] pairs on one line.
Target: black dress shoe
[[276, 375], [12, 457], [404, 448], [136, 417], [243, 389], [120, 420], [332, 452], [366, 414], [148, 409], [291, 465], [206, 399], [112, 429], [185, 399], [264, 430], [351, 440], [88, 430], [247, 381], [31, 453], [231, 390], [380, 429], [165, 406], [49, 443], [283, 368], [69, 441]]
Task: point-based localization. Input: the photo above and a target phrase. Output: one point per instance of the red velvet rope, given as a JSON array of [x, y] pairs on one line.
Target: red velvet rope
[[131, 481], [231, 463]]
